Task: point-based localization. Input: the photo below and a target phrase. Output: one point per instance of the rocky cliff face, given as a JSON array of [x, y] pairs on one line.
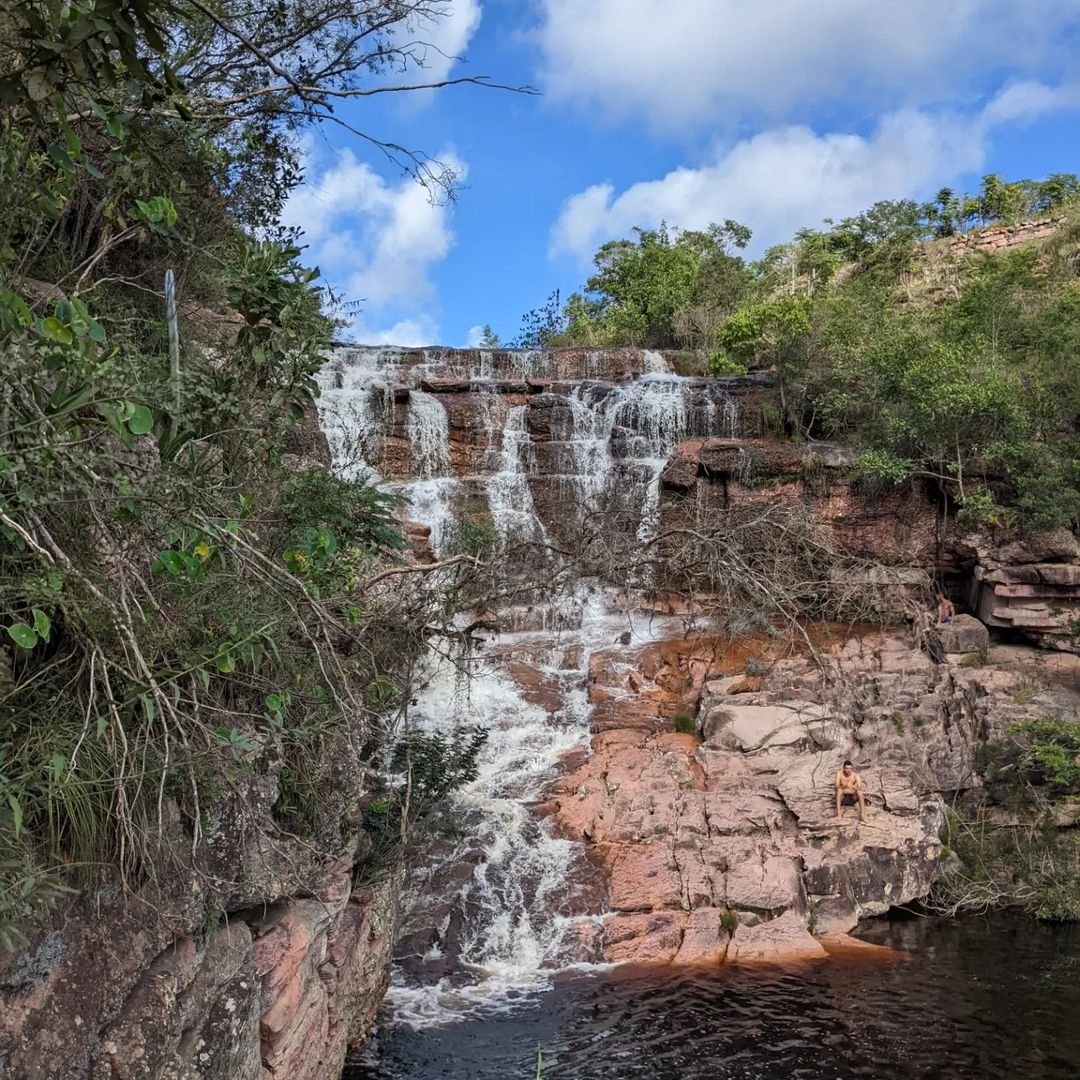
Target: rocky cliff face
[[693, 768], [243, 948], [544, 446], [267, 971], [722, 844]]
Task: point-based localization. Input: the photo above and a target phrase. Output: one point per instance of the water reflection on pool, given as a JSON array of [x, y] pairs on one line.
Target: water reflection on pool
[[982, 999]]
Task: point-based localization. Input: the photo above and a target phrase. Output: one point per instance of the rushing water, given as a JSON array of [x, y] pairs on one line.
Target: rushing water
[[615, 439], [970, 1000], [496, 903]]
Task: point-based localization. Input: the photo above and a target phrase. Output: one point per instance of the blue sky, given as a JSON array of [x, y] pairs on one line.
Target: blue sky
[[774, 112]]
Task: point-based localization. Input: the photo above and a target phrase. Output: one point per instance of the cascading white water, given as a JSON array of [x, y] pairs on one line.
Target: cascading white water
[[510, 921], [515, 920], [429, 435], [431, 503], [509, 496], [355, 404], [655, 364]]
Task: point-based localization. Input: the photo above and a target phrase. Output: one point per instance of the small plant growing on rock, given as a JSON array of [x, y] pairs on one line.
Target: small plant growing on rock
[[811, 915], [1023, 695], [755, 666], [683, 723], [729, 921], [979, 658]]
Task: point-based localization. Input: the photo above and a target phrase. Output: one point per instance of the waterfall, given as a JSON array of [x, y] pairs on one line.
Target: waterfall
[[501, 902], [429, 434], [650, 507], [355, 403], [654, 409], [509, 496], [655, 364], [431, 503], [509, 935], [524, 910]]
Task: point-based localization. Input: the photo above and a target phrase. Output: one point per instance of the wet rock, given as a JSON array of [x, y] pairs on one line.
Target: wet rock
[[653, 938], [781, 940]]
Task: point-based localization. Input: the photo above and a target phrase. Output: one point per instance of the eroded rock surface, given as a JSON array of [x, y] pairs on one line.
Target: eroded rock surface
[[724, 844]]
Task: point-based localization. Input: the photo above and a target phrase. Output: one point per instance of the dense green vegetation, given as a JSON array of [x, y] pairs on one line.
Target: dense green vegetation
[[1033, 777], [186, 599], [961, 368]]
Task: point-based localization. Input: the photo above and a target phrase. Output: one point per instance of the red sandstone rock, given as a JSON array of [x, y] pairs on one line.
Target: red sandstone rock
[[781, 940]]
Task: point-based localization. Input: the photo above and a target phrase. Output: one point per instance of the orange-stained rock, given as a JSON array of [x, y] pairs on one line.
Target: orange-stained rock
[[653, 938], [781, 940], [705, 940]]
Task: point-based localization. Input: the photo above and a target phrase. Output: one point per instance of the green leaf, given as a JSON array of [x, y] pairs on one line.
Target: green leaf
[[57, 765], [226, 663], [170, 561], [61, 157], [24, 636], [149, 708], [53, 329], [141, 421], [16, 814], [42, 624], [38, 85]]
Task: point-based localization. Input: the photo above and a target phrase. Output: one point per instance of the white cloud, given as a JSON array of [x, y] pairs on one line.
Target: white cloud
[[782, 179], [719, 61], [411, 333], [445, 38], [474, 336], [375, 242]]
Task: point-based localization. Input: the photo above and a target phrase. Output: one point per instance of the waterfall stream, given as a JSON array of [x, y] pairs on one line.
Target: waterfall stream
[[500, 903]]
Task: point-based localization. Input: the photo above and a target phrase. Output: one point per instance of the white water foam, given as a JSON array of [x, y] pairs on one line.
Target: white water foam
[[431, 503], [509, 945], [428, 429], [509, 496], [655, 364]]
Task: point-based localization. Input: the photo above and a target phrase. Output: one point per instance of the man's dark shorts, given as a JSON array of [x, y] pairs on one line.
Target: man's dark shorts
[[847, 799]]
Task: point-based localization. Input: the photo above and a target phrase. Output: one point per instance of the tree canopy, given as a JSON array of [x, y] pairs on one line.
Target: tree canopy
[[958, 367]]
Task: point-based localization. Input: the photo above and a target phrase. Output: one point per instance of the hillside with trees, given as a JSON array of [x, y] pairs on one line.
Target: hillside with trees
[[891, 330]]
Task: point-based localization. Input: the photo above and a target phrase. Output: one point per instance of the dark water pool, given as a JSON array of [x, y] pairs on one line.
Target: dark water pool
[[997, 999]]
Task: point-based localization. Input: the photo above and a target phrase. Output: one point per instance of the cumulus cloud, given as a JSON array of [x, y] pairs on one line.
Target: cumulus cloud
[[782, 179], [445, 39], [376, 242], [473, 337], [724, 60]]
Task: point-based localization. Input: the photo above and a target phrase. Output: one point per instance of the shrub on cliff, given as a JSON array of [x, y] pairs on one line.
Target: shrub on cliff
[[184, 607]]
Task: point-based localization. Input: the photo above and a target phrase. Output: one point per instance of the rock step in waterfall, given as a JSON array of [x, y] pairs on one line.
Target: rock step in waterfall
[[541, 437]]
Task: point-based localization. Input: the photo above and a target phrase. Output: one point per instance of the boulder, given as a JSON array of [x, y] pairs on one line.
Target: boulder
[[963, 634], [780, 940]]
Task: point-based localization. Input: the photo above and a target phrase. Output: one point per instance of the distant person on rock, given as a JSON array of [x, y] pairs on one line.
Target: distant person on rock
[[946, 609], [849, 791]]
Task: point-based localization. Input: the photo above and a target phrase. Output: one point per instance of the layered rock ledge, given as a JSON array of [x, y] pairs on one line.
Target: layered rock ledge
[[723, 844]]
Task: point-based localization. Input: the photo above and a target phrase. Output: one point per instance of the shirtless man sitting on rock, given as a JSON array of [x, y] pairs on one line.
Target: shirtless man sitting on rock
[[849, 791]]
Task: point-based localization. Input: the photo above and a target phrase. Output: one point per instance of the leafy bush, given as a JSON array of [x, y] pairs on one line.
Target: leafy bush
[[720, 363]]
